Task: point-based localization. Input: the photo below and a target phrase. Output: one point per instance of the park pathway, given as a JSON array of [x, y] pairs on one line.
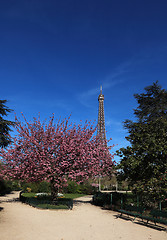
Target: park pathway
[[19, 221]]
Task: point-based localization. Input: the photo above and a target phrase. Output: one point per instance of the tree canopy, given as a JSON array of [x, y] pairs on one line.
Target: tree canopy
[[4, 124], [55, 153], [144, 162]]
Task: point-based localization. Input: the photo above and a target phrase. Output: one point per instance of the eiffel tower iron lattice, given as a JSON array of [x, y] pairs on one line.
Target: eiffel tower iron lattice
[[101, 122]]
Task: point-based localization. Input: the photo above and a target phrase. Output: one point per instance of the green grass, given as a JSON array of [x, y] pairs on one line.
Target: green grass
[[67, 195], [73, 195], [30, 195]]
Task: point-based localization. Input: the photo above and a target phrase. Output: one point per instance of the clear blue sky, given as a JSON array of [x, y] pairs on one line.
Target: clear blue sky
[[54, 55]]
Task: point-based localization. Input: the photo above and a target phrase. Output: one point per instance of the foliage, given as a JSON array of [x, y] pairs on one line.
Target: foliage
[[4, 187], [144, 162], [108, 182], [4, 124], [129, 198], [36, 187], [55, 153], [87, 188], [72, 187], [7, 186], [82, 188], [102, 199]]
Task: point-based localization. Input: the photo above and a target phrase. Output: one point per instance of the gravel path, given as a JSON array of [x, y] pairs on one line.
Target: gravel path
[[85, 222]]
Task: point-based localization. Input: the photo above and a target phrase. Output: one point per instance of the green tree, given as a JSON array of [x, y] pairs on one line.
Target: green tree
[[144, 162], [4, 124]]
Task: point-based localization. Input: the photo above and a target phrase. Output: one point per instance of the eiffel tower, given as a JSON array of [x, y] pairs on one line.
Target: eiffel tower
[[101, 122]]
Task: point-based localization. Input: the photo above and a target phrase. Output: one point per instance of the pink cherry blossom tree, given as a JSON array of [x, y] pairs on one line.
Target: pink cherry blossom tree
[[56, 153]]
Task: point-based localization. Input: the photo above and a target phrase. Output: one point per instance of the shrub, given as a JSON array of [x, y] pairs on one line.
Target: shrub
[[44, 187], [36, 187], [15, 185], [5, 187], [72, 187], [102, 199], [87, 188], [83, 188]]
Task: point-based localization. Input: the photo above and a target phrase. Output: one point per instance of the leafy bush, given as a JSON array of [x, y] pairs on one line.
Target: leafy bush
[[36, 187], [44, 187], [83, 188], [15, 185], [72, 187], [101, 199], [147, 200], [118, 199], [87, 188], [5, 187]]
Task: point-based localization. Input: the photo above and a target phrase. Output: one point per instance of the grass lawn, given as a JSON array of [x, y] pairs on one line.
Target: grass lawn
[[67, 195], [73, 195], [30, 195]]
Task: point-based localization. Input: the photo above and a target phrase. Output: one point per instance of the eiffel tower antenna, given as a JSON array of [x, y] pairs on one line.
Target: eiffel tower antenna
[[101, 122], [100, 89]]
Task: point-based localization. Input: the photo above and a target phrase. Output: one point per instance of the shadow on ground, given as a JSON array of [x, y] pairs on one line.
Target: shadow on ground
[[152, 225], [77, 202], [9, 198], [142, 223]]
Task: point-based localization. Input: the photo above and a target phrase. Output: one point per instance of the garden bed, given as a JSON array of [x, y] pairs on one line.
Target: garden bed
[[43, 200]]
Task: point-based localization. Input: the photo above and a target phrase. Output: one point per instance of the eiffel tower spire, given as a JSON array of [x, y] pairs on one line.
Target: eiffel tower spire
[[101, 122]]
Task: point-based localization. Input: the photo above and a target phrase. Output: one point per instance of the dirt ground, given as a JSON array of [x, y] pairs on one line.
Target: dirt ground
[[19, 221]]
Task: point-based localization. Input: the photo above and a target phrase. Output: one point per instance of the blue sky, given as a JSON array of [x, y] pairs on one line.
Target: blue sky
[[54, 55]]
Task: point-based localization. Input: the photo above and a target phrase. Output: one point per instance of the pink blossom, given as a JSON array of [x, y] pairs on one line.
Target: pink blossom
[[55, 152]]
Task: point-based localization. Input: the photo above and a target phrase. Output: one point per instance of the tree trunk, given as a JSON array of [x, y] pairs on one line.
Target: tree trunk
[[54, 192]]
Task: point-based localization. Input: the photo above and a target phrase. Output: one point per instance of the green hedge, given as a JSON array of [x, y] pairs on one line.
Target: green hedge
[[83, 188], [102, 199], [45, 201], [121, 199]]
